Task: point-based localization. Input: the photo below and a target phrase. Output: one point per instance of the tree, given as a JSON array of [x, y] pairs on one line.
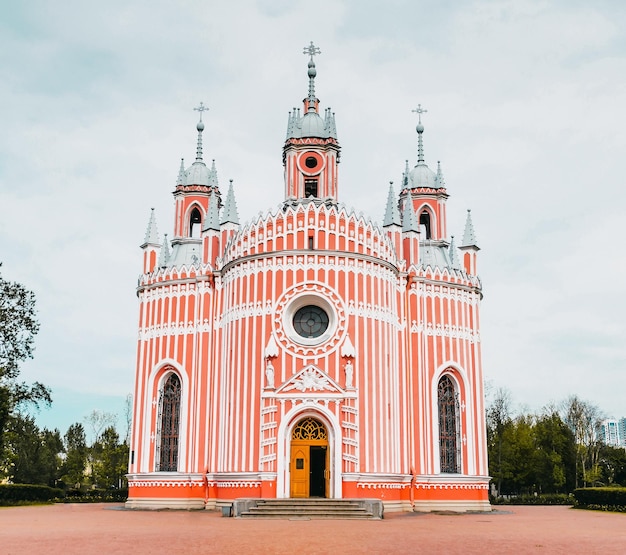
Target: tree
[[128, 417], [98, 420], [555, 455], [498, 420], [583, 420], [18, 327], [110, 459], [33, 454], [613, 465], [73, 472]]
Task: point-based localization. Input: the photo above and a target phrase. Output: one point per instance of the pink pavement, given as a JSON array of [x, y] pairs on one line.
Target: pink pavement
[[110, 529]]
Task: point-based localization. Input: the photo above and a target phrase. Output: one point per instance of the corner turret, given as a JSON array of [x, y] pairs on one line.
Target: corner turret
[[469, 247]]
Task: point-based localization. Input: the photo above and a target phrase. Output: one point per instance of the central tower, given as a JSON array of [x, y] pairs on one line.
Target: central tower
[[311, 151]]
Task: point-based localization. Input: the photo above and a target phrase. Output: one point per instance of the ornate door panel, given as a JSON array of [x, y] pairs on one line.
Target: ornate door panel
[[300, 471]]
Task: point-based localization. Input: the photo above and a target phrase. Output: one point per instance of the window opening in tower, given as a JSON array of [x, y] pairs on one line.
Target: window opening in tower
[[310, 188], [195, 221], [425, 221]]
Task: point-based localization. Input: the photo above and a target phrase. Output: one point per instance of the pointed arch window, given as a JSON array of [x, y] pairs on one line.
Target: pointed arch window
[[425, 221], [448, 405], [195, 223], [169, 425]]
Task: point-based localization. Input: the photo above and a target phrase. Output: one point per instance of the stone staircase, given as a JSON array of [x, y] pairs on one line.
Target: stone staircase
[[308, 509]]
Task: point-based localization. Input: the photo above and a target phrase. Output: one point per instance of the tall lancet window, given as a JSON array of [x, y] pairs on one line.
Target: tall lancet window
[[449, 444], [169, 424], [425, 221], [195, 223]]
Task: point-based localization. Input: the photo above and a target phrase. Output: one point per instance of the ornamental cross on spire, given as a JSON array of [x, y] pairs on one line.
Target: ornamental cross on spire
[[201, 108], [419, 111], [311, 50]]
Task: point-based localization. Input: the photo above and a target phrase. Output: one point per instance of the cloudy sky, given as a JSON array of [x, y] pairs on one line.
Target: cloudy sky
[[526, 111]]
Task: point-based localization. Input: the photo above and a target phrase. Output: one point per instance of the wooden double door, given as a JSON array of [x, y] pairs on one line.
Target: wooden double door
[[310, 464]]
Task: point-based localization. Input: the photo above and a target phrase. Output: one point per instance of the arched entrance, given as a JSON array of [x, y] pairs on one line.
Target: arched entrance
[[310, 461]]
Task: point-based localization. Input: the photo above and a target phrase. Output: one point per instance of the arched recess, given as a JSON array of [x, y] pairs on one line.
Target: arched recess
[[448, 409], [450, 420], [194, 221], [168, 425], [153, 411], [427, 219], [288, 422]]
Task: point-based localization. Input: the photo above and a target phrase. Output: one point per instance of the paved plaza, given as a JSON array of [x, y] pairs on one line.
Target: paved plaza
[[110, 529]]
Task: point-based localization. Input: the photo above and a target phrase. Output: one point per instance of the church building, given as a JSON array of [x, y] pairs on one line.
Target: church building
[[310, 352]]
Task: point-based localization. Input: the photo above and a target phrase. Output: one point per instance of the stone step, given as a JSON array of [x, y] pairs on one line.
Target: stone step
[[307, 509]]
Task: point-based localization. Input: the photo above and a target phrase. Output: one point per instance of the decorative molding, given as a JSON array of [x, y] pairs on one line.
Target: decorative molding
[[164, 483], [374, 312], [303, 260], [311, 378], [378, 485], [233, 484], [450, 485], [329, 296], [453, 332], [246, 310]]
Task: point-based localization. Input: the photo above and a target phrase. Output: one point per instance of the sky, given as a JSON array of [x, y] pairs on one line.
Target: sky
[[526, 109]]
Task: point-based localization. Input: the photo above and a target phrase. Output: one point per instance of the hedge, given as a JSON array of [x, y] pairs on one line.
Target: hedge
[[11, 494], [602, 499], [96, 496], [541, 499]]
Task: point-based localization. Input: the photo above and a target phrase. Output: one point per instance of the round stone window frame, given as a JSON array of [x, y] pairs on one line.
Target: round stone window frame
[[315, 170], [301, 301]]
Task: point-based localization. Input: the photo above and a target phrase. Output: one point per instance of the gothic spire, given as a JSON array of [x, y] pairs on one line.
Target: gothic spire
[[213, 182], [164, 256], [181, 173], [392, 214], [312, 50], [439, 180], [230, 214], [213, 218], [420, 130], [409, 219], [455, 263], [200, 128], [152, 235], [469, 238]]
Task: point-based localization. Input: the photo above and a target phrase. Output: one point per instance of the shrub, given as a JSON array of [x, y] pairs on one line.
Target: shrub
[[96, 496], [542, 499], [14, 494], [601, 499]]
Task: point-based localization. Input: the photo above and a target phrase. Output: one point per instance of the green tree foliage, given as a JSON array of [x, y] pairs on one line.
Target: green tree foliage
[[110, 460], [18, 327], [74, 466], [33, 455], [612, 463], [554, 456], [498, 423], [529, 453]]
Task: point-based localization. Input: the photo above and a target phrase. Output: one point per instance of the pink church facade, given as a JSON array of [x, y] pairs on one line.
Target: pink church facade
[[311, 352]]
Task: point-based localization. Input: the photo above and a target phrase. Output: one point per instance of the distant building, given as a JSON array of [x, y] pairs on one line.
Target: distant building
[[613, 432], [311, 352]]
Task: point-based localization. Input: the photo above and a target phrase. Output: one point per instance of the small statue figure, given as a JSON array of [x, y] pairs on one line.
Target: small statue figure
[[269, 375], [349, 374]]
